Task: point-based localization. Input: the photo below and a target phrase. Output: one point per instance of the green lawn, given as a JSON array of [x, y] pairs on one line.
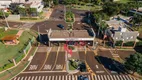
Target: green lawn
[[86, 7], [123, 1], [72, 66], [9, 52], [8, 32]]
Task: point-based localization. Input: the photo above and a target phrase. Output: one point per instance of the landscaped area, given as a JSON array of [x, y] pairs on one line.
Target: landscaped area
[[10, 52], [69, 16]]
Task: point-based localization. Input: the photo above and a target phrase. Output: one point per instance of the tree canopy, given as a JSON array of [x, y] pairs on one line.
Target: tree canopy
[[134, 63]]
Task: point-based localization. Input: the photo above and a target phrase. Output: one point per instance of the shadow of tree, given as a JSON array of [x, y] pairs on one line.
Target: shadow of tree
[[112, 64], [43, 39], [138, 49]]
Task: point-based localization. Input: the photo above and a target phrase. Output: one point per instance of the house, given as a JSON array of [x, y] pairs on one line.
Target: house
[[38, 4], [118, 32]]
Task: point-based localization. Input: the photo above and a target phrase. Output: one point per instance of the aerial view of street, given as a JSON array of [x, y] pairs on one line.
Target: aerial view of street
[[70, 40]]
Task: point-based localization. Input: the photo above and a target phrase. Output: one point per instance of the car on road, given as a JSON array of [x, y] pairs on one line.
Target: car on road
[[60, 26], [82, 78]]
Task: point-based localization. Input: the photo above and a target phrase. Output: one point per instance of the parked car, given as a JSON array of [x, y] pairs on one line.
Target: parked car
[[60, 26], [82, 78]]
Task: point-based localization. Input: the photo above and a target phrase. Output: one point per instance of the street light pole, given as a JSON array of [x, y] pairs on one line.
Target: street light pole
[[5, 19]]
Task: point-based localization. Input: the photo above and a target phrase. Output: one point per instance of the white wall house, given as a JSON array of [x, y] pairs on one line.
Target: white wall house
[[5, 3]]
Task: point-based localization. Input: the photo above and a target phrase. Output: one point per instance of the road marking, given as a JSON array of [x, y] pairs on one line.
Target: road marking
[[117, 77], [59, 77], [89, 77], [114, 77], [108, 77], [25, 78], [98, 77], [33, 67], [15, 78], [29, 78], [55, 77], [69, 77], [120, 77], [124, 77], [46, 77], [102, 77], [22, 78], [66, 77], [36, 78], [42, 77], [47, 67], [97, 66], [59, 66], [131, 78], [52, 77], [111, 77], [39, 77], [95, 77], [62, 77], [127, 77], [105, 77], [18, 78], [32, 78], [75, 77], [100, 71], [49, 77]]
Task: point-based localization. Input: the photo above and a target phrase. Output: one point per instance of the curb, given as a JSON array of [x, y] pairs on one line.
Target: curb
[[26, 65]]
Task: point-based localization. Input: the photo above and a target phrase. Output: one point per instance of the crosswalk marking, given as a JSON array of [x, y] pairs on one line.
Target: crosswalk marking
[[89, 77], [25, 78], [42, 77], [46, 77], [55, 77], [108, 77], [29, 78], [52, 77], [75, 77], [59, 78], [39, 77], [36, 78], [18, 78], [111, 77], [124, 77], [105, 77], [114, 77], [32, 78], [15, 78], [99, 77], [121, 77], [117, 77], [49, 77], [66, 77], [62, 77]]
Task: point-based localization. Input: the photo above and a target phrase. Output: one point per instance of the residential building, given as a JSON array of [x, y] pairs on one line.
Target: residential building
[[118, 31]]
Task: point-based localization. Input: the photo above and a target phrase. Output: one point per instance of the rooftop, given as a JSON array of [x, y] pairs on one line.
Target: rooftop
[[68, 34]]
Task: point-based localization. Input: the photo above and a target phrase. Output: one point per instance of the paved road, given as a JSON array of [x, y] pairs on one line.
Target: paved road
[[60, 63], [82, 55], [96, 67], [112, 66], [64, 76]]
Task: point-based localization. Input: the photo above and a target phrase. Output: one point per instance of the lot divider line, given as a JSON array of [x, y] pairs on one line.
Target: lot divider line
[[56, 58], [45, 58]]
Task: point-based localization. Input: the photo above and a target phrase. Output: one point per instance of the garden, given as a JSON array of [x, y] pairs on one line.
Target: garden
[[10, 52], [69, 17]]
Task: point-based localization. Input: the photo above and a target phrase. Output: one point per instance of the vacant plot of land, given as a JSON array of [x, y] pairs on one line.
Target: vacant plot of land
[[7, 53]]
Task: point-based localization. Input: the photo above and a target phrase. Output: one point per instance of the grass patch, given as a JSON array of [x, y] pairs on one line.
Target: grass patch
[[8, 32], [72, 65], [7, 53], [86, 7]]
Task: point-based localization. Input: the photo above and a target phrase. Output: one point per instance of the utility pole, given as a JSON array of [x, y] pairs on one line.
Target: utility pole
[[5, 19]]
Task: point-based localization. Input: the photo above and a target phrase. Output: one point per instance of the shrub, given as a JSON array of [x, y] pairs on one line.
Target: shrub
[[130, 43], [118, 43], [138, 44]]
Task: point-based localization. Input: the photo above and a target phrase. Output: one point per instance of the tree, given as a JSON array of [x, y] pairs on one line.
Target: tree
[[32, 11], [22, 11], [55, 2], [134, 63]]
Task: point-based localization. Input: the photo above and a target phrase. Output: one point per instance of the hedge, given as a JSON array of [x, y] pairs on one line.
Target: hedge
[[6, 66], [130, 43], [118, 43], [28, 18], [138, 44]]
